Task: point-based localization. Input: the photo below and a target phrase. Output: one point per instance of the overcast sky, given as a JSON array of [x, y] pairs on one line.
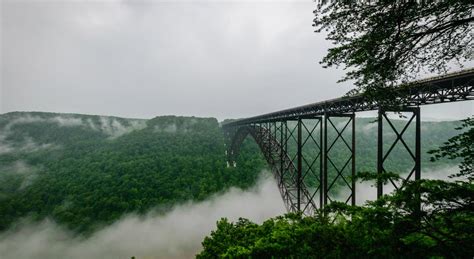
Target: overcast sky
[[143, 59]]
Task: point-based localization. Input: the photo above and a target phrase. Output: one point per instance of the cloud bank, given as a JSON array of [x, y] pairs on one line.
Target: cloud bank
[[107, 125], [177, 234]]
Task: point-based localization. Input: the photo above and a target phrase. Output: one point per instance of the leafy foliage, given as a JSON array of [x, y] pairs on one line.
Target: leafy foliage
[[384, 42], [460, 146]]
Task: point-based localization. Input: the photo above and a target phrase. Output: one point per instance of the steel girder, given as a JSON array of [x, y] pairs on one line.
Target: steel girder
[[414, 152], [340, 171], [274, 140], [452, 87], [304, 177], [300, 158]]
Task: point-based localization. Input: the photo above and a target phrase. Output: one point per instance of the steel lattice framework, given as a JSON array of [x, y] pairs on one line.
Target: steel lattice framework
[[300, 143]]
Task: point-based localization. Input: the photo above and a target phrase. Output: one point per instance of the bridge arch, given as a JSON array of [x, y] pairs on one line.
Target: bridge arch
[[295, 194]]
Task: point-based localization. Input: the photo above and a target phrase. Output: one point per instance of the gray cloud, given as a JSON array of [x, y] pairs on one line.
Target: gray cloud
[[25, 171], [142, 59], [177, 234], [28, 145], [115, 128], [108, 125]]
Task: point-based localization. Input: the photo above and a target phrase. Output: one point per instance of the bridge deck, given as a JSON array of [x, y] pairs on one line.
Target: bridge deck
[[452, 87]]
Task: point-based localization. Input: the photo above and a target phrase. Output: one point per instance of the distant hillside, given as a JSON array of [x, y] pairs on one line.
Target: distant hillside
[[87, 171]]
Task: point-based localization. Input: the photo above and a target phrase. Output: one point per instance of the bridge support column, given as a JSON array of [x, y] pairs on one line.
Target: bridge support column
[[415, 154], [299, 169], [348, 178], [310, 162], [287, 178], [290, 160], [282, 149], [230, 149]]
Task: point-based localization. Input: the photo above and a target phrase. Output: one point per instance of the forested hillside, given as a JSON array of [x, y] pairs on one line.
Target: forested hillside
[[87, 171]]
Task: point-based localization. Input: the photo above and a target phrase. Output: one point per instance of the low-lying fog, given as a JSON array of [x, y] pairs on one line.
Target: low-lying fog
[[177, 234]]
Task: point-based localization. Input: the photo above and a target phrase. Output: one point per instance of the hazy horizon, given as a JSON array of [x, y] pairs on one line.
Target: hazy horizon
[[129, 59]]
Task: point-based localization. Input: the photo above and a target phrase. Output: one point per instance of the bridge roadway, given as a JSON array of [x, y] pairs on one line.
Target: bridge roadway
[[452, 87], [307, 179]]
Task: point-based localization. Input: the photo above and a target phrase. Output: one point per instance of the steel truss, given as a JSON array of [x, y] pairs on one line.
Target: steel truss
[[348, 181], [284, 168], [382, 156], [310, 136], [295, 141], [300, 158]]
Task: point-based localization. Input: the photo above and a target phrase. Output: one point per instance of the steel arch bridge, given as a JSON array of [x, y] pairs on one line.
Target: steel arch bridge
[[307, 179]]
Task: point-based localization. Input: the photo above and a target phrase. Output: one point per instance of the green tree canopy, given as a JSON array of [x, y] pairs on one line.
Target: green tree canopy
[[382, 43]]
